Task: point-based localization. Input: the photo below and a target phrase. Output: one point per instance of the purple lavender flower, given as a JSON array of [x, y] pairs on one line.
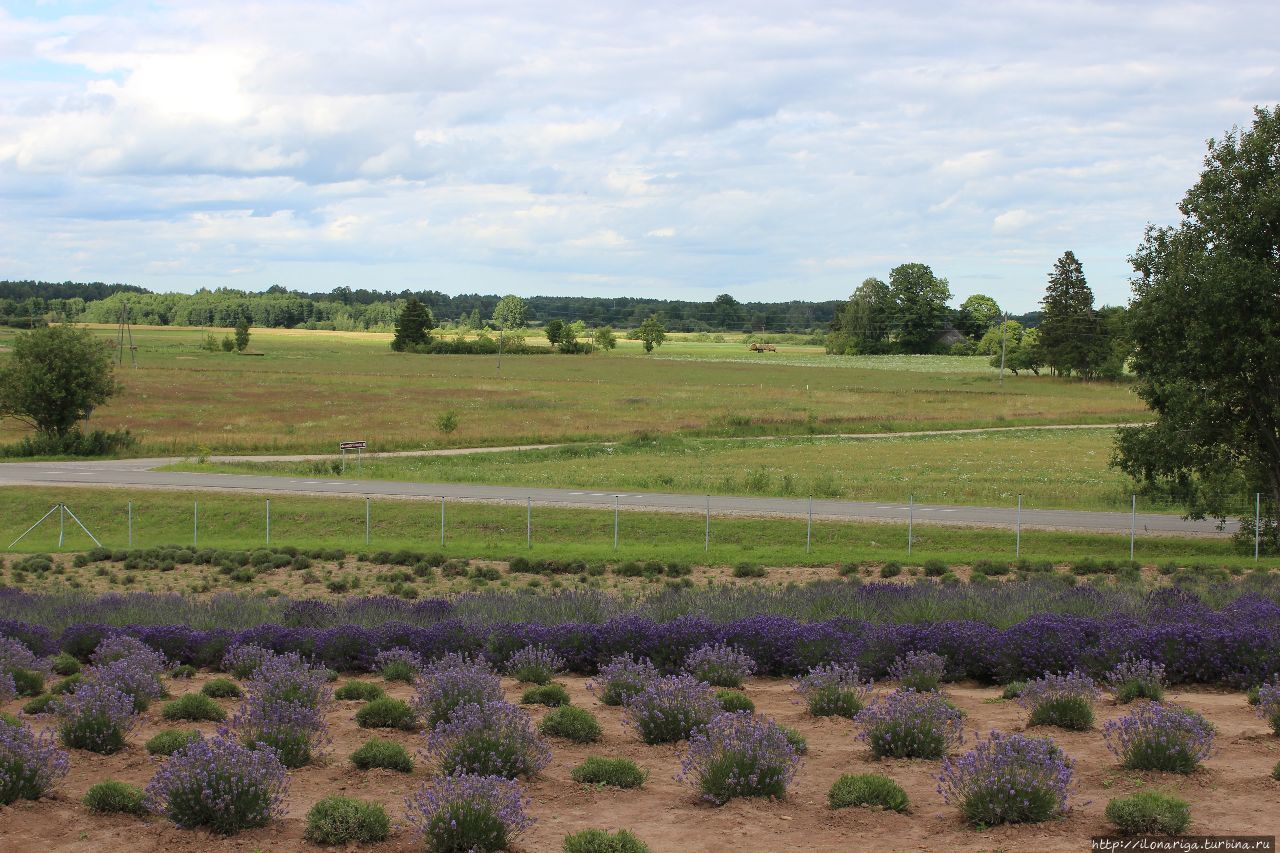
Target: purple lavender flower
[[441, 690], [467, 812], [243, 661], [1157, 736], [14, 655], [288, 678], [1065, 701], [739, 755], [492, 739], [122, 647], [919, 670], [719, 665], [137, 677], [30, 764], [1136, 678], [534, 664], [623, 677], [834, 690], [1269, 703], [219, 784], [910, 724], [296, 732], [398, 664], [96, 717], [671, 709], [8, 689], [1008, 778]]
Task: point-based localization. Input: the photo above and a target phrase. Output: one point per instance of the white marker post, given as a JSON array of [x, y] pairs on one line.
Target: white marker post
[[195, 524], [268, 521], [528, 523], [808, 536], [1017, 541], [367, 512], [442, 520], [615, 522], [911, 512], [706, 539], [130, 524], [1133, 525]]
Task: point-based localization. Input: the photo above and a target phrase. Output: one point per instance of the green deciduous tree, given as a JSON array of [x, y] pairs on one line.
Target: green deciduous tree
[[555, 331], [919, 300], [510, 313], [413, 327], [978, 313], [862, 325], [242, 334], [55, 378], [605, 338], [651, 333], [1205, 323]]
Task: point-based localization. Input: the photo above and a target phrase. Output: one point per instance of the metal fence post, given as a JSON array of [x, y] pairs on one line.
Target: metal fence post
[[1133, 525], [442, 520], [706, 539], [367, 513], [615, 522], [911, 512], [528, 523], [195, 524], [130, 524], [62, 523], [268, 521], [808, 535], [1017, 546]]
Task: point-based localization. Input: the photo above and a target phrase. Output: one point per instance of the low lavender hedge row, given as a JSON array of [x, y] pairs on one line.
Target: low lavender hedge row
[[1221, 647]]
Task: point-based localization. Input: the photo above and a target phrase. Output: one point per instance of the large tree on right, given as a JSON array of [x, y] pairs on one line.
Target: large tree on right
[[1205, 324]]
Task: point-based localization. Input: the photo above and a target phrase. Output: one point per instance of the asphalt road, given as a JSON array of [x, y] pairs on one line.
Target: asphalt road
[[139, 473]]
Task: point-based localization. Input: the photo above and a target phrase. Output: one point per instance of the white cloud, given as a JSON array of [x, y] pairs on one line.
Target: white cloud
[[499, 146]]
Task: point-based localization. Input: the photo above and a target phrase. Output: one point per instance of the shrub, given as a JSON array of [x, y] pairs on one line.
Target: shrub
[[342, 820], [137, 677], [30, 764], [170, 741], [386, 713], [919, 670], [734, 700], [118, 647], [890, 569], [294, 731], [623, 677], [65, 664], [1136, 678], [1269, 704], [670, 709], [243, 661], [1160, 737], [287, 678], [96, 717], [719, 665], [868, 789], [39, 705], [749, 570], [575, 724], [1008, 778], [364, 691], [1013, 690], [184, 671], [493, 739], [616, 772], [467, 812], [219, 784], [534, 664], [1064, 701], [910, 724], [797, 740], [110, 796], [834, 690], [26, 671], [194, 706], [452, 684], [935, 568], [552, 695], [222, 688], [398, 664], [66, 685], [739, 755], [1149, 813], [376, 752], [602, 841]]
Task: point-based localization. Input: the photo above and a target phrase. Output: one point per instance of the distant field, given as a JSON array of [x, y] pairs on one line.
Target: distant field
[[310, 390], [497, 531], [1053, 469]]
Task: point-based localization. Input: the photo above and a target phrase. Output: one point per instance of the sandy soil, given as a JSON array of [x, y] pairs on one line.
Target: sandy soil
[[1233, 793]]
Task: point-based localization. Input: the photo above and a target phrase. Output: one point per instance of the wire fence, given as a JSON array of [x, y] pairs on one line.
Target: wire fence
[[604, 521]]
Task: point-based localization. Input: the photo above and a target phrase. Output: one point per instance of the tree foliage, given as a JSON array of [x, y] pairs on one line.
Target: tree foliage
[[510, 313], [55, 378], [413, 327], [862, 325], [1071, 333], [605, 339], [919, 299], [651, 333], [242, 334], [1205, 324]]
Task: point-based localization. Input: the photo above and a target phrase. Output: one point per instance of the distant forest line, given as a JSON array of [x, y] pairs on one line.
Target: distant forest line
[[27, 303]]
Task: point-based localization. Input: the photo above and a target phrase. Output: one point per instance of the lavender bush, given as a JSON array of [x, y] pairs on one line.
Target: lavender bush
[[8, 688], [467, 812], [398, 664], [443, 689], [30, 764], [834, 690], [919, 671], [21, 668], [1160, 737], [96, 717], [739, 755], [1269, 704], [288, 678], [219, 784], [493, 739], [117, 647], [243, 661], [671, 709], [623, 677], [910, 724], [1136, 678], [293, 731], [534, 664], [719, 665], [1008, 778], [136, 677], [1065, 701]]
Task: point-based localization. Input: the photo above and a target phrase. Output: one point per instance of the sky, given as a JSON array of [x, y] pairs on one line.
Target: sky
[[677, 150]]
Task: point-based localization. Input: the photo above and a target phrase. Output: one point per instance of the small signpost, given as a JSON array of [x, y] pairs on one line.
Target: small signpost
[[358, 447]]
